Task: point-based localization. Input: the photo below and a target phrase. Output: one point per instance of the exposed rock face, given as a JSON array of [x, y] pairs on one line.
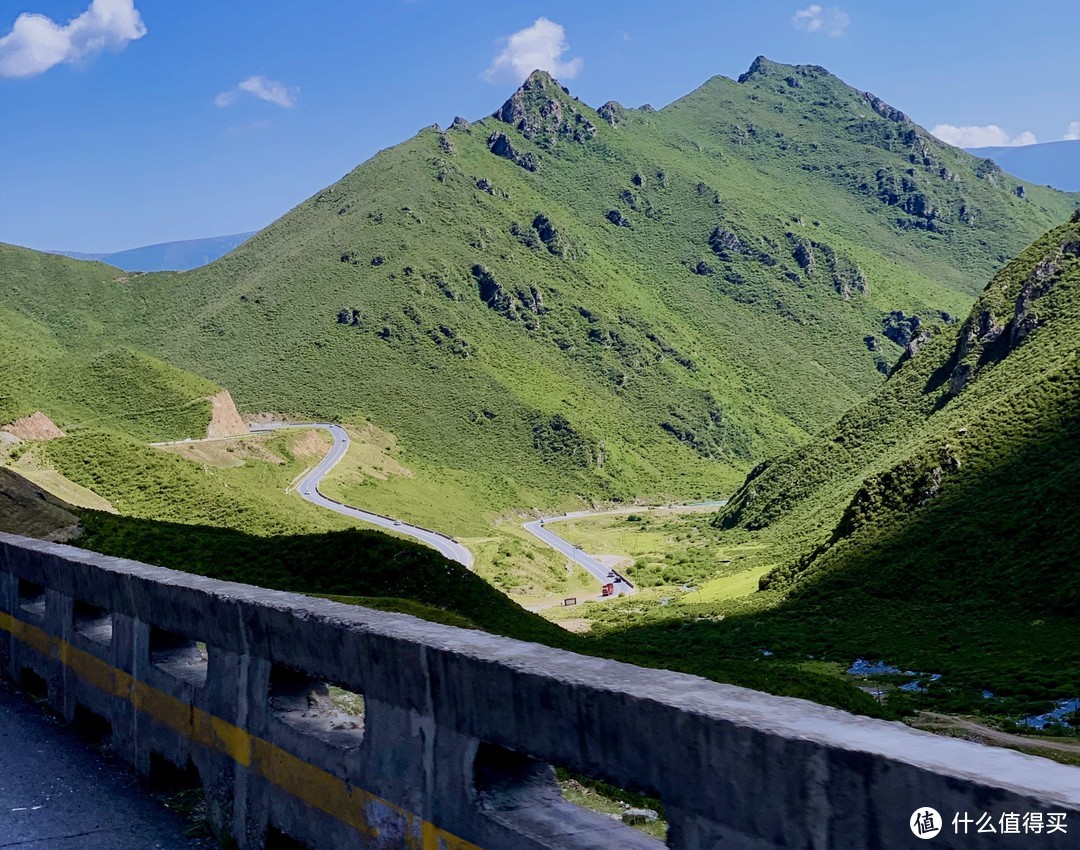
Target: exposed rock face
[[460, 124], [618, 219], [516, 306], [612, 112], [225, 420], [556, 243], [36, 426], [1025, 315], [446, 144], [349, 316], [1020, 192], [725, 243], [500, 146], [804, 255], [541, 111], [917, 343], [884, 110], [899, 328]]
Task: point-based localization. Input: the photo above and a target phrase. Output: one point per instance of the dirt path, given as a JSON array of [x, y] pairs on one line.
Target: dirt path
[[935, 722]]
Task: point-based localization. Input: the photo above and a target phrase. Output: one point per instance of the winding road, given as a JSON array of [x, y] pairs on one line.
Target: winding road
[[602, 573], [308, 488]]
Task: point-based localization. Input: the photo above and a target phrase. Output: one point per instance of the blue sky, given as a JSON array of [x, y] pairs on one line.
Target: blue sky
[[127, 122]]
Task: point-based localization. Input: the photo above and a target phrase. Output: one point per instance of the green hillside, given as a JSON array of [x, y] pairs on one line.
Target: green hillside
[[77, 368], [559, 304], [936, 525]]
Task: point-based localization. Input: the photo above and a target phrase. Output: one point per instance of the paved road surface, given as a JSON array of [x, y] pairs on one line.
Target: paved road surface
[[58, 794], [308, 488], [538, 528], [598, 570]]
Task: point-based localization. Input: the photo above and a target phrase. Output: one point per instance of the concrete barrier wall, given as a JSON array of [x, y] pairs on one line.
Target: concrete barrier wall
[[460, 727]]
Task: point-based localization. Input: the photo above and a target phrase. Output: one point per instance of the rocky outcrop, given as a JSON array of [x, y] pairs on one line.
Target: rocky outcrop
[[522, 305], [803, 254], [978, 332], [460, 124], [900, 328], [556, 243], [1025, 315], [883, 109], [349, 316], [612, 112], [500, 145], [725, 243], [225, 419], [618, 219], [541, 110], [36, 426]]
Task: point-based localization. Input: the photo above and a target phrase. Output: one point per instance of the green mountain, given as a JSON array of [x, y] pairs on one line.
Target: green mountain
[[558, 302], [936, 524]]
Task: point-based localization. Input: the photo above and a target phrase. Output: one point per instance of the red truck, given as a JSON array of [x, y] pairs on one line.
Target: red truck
[[607, 590]]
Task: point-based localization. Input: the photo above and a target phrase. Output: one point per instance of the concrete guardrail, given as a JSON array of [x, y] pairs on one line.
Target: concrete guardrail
[[453, 747]]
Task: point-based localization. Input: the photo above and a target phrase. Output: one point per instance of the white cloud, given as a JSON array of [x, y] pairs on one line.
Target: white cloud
[[990, 136], [540, 46], [1073, 132], [269, 90], [831, 21], [36, 43]]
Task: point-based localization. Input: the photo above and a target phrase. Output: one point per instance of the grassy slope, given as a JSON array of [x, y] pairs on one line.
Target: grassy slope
[[77, 369], [933, 526], [642, 378]]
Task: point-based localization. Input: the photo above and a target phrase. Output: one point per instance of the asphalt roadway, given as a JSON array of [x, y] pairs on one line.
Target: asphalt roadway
[[56, 793], [596, 568], [308, 488]]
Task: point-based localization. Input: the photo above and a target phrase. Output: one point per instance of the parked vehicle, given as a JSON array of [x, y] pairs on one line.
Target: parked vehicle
[[607, 590]]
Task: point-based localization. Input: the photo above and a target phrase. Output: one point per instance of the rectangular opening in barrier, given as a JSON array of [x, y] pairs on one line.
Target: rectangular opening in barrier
[[33, 685], [645, 814], [92, 622], [32, 598], [179, 656], [531, 797], [316, 707], [180, 789], [92, 726], [275, 839]]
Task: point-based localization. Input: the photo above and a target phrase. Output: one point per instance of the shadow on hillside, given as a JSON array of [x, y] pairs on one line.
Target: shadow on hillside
[[981, 585], [341, 563]]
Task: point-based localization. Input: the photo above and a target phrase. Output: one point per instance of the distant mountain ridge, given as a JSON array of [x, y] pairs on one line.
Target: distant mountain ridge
[[1054, 164], [180, 256]]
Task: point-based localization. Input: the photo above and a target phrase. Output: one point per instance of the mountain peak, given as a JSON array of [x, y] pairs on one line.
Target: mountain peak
[[763, 67], [543, 107], [538, 88]]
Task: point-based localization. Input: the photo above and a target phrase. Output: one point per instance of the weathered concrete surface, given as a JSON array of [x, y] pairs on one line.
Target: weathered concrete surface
[[58, 794], [460, 727]]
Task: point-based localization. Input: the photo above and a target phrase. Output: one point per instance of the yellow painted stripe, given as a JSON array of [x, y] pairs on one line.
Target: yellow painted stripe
[[305, 781]]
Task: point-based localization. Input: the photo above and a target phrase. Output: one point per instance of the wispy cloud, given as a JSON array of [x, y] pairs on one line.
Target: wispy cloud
[[271, 91], [37, 43], [990, 136], [542, 46], [1073, 132], [829, 20]]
